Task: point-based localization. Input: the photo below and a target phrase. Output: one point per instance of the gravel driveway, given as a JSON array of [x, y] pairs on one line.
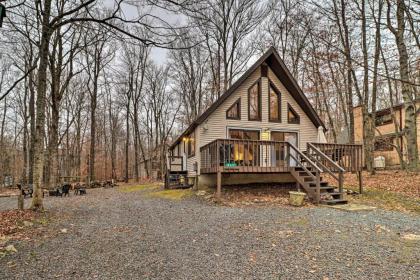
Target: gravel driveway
[[116, 235]]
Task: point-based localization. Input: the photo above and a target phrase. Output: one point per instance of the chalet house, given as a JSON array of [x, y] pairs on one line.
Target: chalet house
[[389, 123], [257, 132]]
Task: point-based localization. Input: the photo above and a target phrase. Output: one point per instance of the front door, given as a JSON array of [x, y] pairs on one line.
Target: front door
[[279, 154]]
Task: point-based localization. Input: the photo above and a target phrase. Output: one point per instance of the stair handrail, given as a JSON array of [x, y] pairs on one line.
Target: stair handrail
[[313, 165], [340, 170], [304, 156]]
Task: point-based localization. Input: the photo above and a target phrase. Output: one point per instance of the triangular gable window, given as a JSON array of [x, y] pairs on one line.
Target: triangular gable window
[[292, 116], [274, 106], [234, 111]]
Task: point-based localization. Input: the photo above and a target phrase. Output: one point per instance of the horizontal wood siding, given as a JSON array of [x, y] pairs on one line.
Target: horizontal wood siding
[[192, 160], [216, 125]]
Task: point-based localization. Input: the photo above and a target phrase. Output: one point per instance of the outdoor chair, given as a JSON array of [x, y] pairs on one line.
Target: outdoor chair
[[65, 189], [79, 190], [26, 190], [55, 192]]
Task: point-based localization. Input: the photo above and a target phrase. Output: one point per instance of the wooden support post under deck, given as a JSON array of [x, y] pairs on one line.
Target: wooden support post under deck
[[360, 182], [219, 185], [195, 187]]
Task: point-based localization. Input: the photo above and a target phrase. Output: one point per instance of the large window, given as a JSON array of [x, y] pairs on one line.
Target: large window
[[234, 111], [244, 134], [243, 153], [292, 116], [254, 102], [274, 104], [191, 145]]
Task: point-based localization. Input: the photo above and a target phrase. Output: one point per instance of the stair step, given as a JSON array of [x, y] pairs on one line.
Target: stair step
[[311, 180], [297, 168], [334, 201], [304, 173], [322, 184], [323, 188], [336, 194]]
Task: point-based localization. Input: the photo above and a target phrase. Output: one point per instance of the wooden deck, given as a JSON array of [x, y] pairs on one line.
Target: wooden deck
[[259, 156], [238, 156], [245, 156]]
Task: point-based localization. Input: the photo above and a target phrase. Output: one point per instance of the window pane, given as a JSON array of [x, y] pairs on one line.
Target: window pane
[[251, 135], [291, 137], [191, 145], [385, 143], [233, 112], [277, 136], [235, 134], [254, 102], [292, 117], [274, 105]]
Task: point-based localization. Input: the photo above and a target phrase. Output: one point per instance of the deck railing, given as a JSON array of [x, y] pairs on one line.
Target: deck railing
[[347, 156], [234, 155], [326, 164], [175, 163]]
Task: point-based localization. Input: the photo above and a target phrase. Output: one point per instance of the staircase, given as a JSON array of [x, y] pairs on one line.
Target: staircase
[[309, 167], [327, 194]]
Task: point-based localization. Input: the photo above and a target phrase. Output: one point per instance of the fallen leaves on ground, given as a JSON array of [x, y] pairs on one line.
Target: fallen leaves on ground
[[16, 225], [12, 221], [254, 194], [398, 181], [389, 189]]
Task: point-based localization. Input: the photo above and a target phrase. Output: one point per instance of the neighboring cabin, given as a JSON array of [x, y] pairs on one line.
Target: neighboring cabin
[[388, 135], [254, 133], [150, 168], [152, 165]]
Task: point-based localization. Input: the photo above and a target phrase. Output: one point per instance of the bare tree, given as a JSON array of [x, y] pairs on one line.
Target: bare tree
[[410, 129]]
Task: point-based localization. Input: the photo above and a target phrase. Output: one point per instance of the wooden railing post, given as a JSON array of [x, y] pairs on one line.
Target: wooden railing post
[[318, 187]]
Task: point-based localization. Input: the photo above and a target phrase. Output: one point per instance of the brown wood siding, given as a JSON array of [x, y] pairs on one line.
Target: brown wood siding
[[391, 157]]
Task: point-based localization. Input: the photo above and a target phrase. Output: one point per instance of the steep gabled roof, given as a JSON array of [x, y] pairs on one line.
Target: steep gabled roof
[[273, 60]]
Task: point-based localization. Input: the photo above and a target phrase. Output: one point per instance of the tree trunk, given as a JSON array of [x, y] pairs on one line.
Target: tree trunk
[[127, 140], [136, 142], [32, 127], [37, 202], [92, 136], [410, 128]]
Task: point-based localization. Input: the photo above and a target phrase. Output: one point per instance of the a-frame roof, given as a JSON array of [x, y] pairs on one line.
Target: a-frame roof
[[273, 60]]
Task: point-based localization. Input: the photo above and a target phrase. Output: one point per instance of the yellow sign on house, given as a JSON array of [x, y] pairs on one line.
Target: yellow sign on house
[[265, 135]]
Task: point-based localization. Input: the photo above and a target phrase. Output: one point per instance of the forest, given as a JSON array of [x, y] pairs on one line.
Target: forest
[[90, 88]]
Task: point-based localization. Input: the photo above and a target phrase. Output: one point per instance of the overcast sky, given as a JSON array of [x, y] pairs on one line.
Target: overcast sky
[[159, 55]]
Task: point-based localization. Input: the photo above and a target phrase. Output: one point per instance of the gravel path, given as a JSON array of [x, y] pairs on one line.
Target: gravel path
[[115, 235]]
